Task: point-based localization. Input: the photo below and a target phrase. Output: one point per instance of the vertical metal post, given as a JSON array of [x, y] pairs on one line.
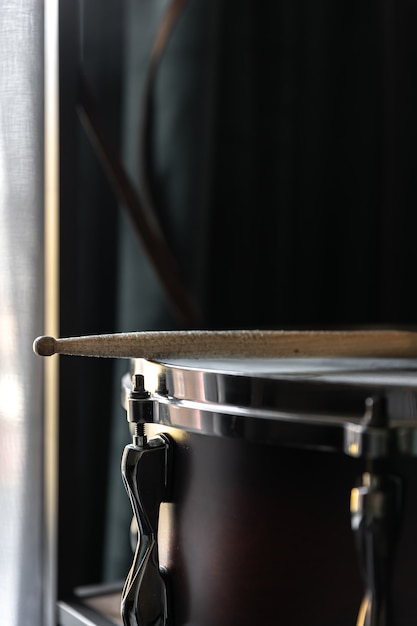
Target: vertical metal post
[[51, 277]]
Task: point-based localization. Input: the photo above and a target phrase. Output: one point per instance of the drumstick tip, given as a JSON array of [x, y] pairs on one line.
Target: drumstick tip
[[44, 346]]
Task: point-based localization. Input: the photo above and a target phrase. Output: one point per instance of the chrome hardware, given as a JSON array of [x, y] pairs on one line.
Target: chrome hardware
[[140, 407], [371, 437], [374, 518], [374, 508], [145, 473]]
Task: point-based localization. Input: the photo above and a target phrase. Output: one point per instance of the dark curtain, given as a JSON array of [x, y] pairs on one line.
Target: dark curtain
[[281, 155], [282, 142]]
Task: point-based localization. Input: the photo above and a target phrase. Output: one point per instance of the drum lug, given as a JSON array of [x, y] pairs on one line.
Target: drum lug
[[374, 507], [145, 473], [375, 514]]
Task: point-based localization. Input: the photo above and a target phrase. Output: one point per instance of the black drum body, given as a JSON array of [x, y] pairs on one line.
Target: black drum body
[[262, 536], [283, 495]]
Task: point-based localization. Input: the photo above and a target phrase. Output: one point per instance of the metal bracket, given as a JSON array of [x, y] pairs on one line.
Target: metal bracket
[[145, 473], [371, 438], [375, 513], [139, 406], [374, 507]]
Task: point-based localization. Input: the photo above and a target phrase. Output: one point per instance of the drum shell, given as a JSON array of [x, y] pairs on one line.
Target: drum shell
[[259, 534]]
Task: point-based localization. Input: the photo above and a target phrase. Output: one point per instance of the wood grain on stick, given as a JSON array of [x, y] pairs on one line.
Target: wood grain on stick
[[235, 344]]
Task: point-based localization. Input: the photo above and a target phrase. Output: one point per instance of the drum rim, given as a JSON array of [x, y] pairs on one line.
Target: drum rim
[[208, 402]]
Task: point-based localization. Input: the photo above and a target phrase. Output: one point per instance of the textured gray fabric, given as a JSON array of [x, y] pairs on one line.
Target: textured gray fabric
[[21, 228]]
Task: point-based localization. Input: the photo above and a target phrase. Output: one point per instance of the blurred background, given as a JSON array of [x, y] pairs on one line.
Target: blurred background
[[275, 143]]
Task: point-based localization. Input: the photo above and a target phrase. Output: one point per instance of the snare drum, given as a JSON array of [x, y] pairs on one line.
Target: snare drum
[[272, 492]]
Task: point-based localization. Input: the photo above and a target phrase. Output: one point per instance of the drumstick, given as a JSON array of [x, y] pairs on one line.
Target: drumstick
[[235, 344]]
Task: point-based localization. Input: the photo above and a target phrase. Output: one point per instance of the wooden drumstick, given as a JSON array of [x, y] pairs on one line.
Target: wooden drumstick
[[235, 344]]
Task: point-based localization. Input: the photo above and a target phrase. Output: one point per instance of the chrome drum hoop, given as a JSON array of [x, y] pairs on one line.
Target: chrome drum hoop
[[304, 403]]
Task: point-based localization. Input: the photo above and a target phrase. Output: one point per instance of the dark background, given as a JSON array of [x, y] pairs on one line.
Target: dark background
[[281, 160]]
